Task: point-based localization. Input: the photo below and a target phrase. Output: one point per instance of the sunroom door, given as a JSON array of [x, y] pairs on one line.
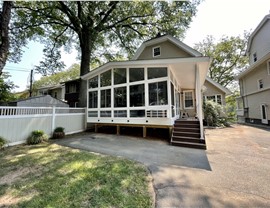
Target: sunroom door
[[264, 114]]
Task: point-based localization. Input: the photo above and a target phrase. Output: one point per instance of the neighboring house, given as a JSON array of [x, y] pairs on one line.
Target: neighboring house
[[56, 91], [39, 101], [215, 92], [162, 83], [72, 89], [254, 101]]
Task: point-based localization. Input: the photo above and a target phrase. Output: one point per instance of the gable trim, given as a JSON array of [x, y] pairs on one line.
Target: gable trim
[[170, 38]]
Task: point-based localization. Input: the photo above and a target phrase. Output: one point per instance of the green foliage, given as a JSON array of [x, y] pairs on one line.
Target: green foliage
[[2, 142], [59, 129], [228, 57], [231, 106], [37, 137], [5, 89], [214, 114], [71, 73], [58, 133]]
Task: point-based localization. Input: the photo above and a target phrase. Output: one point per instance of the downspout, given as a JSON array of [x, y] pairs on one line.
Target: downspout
[[199, 100]]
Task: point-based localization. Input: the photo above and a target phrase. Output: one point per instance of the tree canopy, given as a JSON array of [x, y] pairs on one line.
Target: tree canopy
[[100, 30], [5, 89], [228, 57]]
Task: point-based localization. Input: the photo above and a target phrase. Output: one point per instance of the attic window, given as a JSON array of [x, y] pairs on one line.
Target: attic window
[[254, 57], [156, 51]]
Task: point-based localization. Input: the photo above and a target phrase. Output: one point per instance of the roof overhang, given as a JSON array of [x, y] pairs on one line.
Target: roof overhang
[[253, 66], [183, 68]]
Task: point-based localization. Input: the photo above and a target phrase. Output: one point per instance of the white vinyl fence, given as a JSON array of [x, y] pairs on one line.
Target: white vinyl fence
[[17, 123]]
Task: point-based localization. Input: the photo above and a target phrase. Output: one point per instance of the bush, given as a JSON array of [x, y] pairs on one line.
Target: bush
[[2, 142], [214, 114], [58, 133], [37, 137]]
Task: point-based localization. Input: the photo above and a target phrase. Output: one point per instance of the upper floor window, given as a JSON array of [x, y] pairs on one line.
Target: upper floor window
[[71, 88], [268, 67], [156, 51], [255, 57], [260, 83]]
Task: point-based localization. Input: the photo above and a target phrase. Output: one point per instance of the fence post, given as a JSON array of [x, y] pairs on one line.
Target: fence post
[[53, 118]]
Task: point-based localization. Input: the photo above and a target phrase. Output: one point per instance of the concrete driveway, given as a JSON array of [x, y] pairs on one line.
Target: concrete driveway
[[233, 172]]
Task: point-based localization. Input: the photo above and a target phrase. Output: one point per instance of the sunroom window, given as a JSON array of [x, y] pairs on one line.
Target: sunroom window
[[93, 99], [158, 93], [136, 93], [120, 97], [105, 79], [136, 74], [93, 83], [120, 76], [156, 72], [105, 100]]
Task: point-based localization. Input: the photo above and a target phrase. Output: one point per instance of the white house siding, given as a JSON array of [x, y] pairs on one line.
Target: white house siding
[[168, 50], [260, 43]]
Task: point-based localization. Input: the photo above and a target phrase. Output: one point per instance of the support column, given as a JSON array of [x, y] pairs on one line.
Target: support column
[[144, 131], [96, 128], [117, 130]]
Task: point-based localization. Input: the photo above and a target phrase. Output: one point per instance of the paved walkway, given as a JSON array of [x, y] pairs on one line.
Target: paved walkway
[[233, 171]]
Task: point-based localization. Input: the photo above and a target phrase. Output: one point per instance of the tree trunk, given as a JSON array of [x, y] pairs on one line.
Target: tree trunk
[[86, 48], [4, 41]]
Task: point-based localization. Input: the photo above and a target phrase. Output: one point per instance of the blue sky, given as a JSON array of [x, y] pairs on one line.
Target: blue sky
[[214, 17]]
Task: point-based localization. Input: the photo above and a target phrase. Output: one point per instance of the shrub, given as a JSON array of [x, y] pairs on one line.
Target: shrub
[[58, 133], [37, 137], [214, 114], [2, 142]]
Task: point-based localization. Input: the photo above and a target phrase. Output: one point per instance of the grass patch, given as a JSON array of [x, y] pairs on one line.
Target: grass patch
[[49, 175]]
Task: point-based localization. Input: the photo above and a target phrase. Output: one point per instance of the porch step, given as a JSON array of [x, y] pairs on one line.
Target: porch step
[[187, 139], [189, 144], [186, 133]]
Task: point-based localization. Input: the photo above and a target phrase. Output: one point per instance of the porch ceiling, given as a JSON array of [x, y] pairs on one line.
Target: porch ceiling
[[185, 73]]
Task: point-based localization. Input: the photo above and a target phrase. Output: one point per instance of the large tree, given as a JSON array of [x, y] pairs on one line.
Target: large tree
[[99, 30], [228, 57], [5, 15]]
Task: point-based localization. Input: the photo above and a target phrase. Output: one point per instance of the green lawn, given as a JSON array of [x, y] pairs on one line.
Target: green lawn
[[49, 175]]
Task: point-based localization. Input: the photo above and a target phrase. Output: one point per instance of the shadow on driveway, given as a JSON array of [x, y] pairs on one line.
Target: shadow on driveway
[[149, 152]]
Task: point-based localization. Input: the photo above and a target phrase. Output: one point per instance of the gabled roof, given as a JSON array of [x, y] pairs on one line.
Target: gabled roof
[[164, 38], [219, 86], [253, 34]]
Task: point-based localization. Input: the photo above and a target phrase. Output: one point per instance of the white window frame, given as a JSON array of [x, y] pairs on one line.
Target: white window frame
[[258, 81], [268, 67], [184, 93], [205, 97], [153, 51]]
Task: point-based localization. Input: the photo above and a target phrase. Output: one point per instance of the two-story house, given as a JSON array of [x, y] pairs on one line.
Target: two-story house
[[254, 101]]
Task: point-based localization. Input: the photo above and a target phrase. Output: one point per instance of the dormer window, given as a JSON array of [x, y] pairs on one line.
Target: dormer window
[[254, 57], [156, 51]]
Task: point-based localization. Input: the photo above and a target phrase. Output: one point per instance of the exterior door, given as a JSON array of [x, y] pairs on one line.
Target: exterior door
[[264, 114]]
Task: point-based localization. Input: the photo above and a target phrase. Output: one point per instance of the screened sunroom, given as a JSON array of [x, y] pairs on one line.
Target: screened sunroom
[[145, 92]]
